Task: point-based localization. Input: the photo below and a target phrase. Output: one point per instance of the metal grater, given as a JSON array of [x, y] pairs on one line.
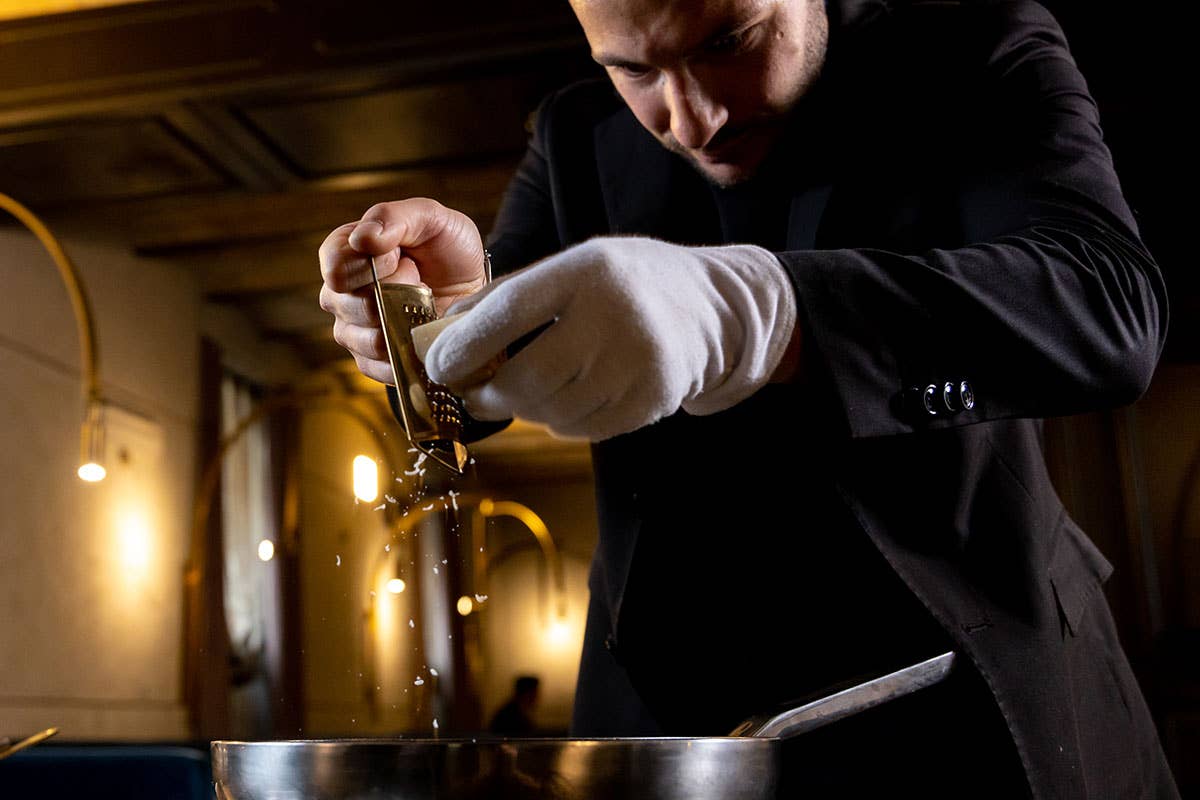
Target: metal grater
[[431, 414]]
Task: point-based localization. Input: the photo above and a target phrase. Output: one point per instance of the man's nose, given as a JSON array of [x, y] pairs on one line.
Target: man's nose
[[695, 116]]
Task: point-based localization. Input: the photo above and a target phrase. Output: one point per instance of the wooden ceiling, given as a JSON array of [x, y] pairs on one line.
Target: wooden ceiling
[[232, 135]]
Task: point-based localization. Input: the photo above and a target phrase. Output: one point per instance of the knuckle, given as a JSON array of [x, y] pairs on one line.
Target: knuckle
[[339, 333]]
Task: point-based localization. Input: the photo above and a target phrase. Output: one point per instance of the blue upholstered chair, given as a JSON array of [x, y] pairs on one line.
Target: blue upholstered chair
[[107, 772]]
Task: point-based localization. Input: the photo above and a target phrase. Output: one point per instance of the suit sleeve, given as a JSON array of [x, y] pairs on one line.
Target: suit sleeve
[[1053, 306]]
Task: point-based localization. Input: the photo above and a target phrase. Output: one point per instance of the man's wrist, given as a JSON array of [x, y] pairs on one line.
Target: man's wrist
[[791, 362]]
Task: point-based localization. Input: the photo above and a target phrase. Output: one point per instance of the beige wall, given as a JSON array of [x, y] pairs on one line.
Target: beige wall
[[90, 575]]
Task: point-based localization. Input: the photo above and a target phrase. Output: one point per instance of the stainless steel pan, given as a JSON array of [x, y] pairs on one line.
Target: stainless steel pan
[[742, 766]]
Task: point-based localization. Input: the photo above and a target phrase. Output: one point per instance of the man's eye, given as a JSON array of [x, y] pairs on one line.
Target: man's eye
[[632, 70], [730, 43]]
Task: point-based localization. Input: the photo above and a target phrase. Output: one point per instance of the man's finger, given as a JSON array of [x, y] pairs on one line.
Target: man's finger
[[344, 269], [398, 224], [356, 308], [363, 341], [375, 369]]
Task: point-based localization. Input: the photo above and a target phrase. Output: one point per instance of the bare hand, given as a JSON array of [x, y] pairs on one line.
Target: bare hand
[[417, 241]]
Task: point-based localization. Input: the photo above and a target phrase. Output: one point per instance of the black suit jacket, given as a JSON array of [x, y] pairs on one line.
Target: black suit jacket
[[954, 215]]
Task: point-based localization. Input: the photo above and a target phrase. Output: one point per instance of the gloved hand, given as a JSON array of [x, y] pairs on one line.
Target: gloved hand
[[641, 328]]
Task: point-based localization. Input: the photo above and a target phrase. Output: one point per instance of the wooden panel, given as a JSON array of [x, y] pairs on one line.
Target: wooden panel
[[254, 268], [138, 45], [389, 129], [164, 226], [90, 161], [404, 26], [292, 313]]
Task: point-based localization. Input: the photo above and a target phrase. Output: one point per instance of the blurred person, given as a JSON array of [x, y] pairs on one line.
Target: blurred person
[[517, 716]]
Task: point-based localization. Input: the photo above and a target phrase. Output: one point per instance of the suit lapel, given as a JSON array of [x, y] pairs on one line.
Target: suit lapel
[[652, 192], [806, 215]]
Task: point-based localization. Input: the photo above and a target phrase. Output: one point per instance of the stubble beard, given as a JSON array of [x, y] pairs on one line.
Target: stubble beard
[[816, 43]]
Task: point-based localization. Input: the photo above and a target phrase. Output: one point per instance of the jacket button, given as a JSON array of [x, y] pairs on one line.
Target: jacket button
[[950, 397], [929, 400], [966, 396]]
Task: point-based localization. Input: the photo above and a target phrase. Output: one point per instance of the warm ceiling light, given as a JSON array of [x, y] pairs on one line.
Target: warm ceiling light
[[366, 479], [266, 550], [465, 605], [16, 9], [396, 586]]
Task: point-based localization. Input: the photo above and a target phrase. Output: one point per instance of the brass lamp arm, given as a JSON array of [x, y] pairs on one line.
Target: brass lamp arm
[[79, 301]]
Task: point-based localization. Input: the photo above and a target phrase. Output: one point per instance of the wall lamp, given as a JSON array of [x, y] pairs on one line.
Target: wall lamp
[[91, 438]]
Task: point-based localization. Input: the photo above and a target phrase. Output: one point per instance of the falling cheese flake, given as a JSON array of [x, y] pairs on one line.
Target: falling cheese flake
[[389, 498], [419, 681], [339, 560], [454, 498], [387, 548], [435, 571], [433, 672], [479, 598], [428, 507], [380, 507], [435, 725], [412, 624], [416, 470]]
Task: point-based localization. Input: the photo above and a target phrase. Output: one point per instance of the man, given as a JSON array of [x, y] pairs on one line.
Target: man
[[815, 271]]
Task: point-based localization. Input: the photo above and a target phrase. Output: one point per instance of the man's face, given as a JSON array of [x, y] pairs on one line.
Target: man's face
[[713, 80]]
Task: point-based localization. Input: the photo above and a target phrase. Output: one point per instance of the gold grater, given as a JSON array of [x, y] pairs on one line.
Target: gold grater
[[432, 416]]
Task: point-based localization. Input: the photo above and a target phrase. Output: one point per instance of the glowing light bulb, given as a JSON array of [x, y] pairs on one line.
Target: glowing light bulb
[[396, 586], [92, 472], [465, 605], [266, 550], [366, 479]]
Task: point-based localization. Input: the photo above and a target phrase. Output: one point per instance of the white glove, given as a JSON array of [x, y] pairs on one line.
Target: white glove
[[641, 329]]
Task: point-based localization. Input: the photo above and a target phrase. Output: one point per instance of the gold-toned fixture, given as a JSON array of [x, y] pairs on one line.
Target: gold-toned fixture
[[91, 437]]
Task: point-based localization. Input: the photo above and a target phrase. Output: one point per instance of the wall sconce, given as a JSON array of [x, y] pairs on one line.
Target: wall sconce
[[91, 439], [526, 515]]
